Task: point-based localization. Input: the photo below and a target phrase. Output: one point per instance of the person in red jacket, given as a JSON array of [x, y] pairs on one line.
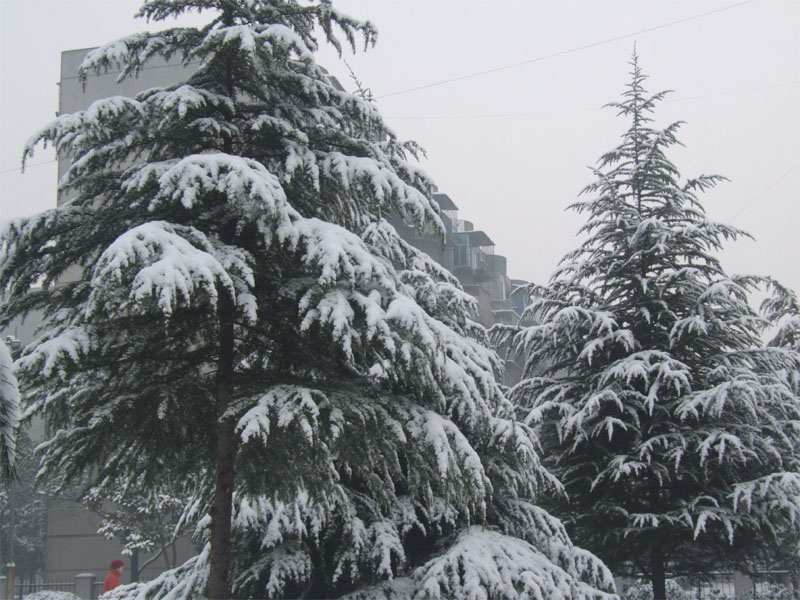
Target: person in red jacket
[[113, 577]]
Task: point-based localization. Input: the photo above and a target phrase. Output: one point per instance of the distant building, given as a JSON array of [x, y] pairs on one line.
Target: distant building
[[469, 255]]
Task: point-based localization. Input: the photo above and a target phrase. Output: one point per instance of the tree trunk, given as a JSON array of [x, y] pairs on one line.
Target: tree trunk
[[658, 577], [219, 581], [135, 565]]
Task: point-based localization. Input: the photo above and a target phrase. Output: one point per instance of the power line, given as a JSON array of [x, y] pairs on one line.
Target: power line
[[590, 109], [527, 114], [739, 91], [765, 192], [564, 52], [19, 169], [143, 68]]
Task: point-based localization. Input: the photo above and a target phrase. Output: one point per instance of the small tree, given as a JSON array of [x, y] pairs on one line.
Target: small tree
[[142, 521], [9, 413], [245, 317], [27, 523], [673, 428]]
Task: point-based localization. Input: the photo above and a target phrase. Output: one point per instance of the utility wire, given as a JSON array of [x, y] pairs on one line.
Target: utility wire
[[144, 68], [522, 63], [526, 114], [564, 52], [764, 193], [732, 92], [19, 169], [592, 109]]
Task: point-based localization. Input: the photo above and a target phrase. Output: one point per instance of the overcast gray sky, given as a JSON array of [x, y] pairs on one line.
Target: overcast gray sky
[[512, 147]]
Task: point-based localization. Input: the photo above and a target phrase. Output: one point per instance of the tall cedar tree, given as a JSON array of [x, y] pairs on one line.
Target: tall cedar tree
[[245, 317], [783, 310], [673, 428]]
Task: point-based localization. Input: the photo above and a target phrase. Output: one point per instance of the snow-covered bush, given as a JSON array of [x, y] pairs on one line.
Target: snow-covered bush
[[717, 594], [50, 595], [770, 591]]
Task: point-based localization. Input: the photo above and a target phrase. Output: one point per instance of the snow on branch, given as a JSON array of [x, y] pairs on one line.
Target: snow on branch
[[379, 545], [185, 99], [275, 40], [276, 521], [383, 183], [289, 405], [741, 389], [130, 53], [655, 369], [339, 255], [404, 338], [186, 582], [290, 564], [55, 352], [535, 525], [78, 134], [168, 263], [247, 185], [776, 492], [484, 564], [451, 451]]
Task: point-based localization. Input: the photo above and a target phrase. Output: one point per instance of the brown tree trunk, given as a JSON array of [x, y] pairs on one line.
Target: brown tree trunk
[[135, 565], [658, 577], [219, 581]]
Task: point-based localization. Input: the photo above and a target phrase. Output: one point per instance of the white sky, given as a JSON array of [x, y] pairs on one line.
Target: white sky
[[511, 148]]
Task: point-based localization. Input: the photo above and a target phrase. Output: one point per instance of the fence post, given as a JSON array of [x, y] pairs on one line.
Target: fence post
[[2, 587], [84, 586], [10, 580], [742, 584]]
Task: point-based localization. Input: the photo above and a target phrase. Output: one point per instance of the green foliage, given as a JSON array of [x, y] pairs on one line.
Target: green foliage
[[227, 306], [673, 428], [144, 521]]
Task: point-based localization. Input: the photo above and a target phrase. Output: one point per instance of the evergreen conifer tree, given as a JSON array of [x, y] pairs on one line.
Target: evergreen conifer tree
[[673, 428], [782, 310], [245, 317]]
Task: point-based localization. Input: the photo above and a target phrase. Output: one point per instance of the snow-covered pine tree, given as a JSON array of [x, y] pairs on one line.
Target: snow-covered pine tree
[[245, 317], [669, 422], [782, 310], [9, 413]]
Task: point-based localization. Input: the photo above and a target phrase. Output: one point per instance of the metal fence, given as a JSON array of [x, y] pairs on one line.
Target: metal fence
[[83, 585], [716, 586], [765, 585], [23, 588]]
